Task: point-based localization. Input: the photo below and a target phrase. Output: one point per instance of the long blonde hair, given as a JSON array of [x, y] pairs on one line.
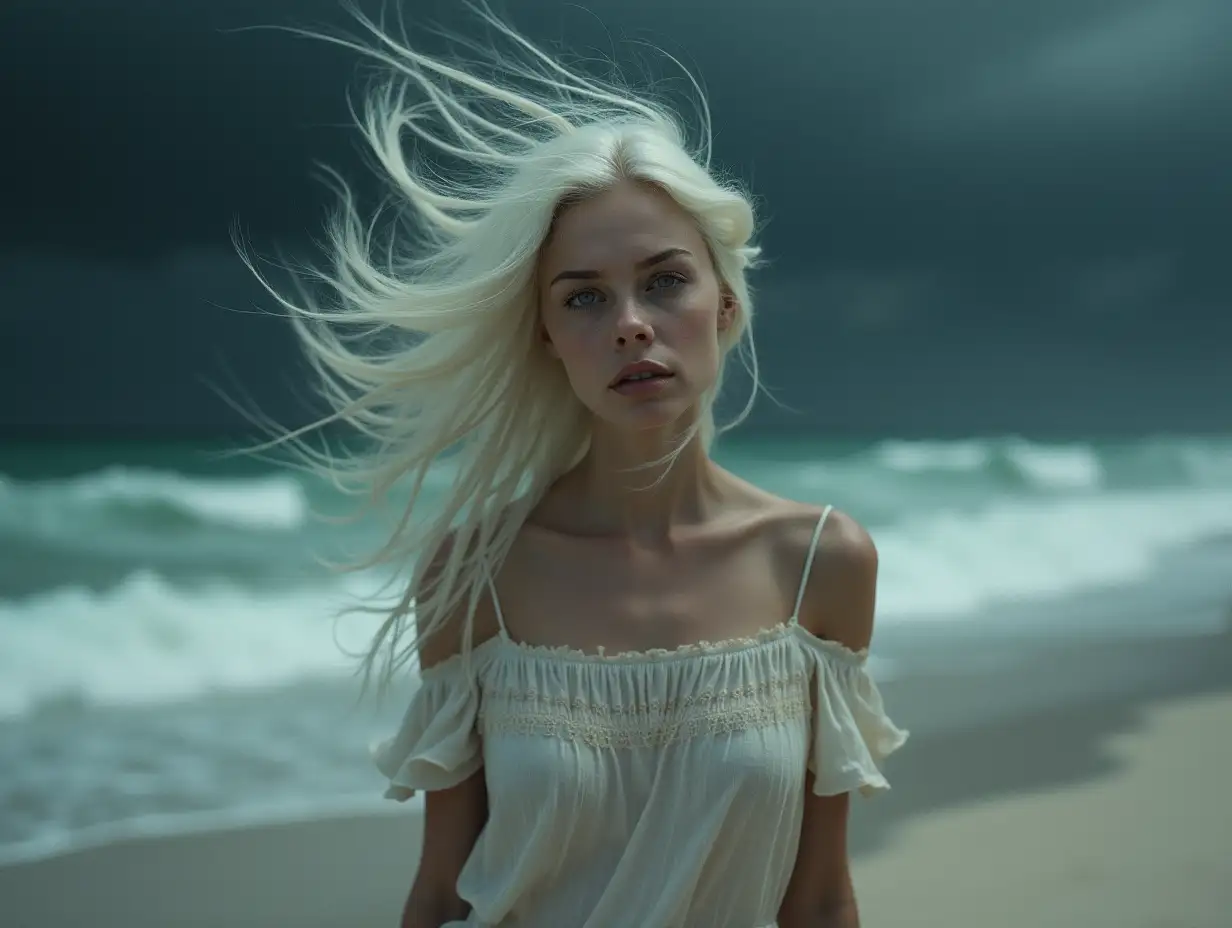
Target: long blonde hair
[[431, 352]]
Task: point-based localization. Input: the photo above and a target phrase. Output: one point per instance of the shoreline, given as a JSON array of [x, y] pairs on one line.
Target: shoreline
[[984, 743]]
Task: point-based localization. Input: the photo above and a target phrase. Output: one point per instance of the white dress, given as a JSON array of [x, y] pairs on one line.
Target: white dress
[[658, 789]]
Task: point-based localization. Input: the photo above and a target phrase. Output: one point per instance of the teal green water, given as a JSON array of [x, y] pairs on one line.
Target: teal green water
[[166, 636]]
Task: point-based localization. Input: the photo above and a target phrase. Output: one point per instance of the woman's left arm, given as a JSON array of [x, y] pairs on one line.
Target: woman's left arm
[[839, 602], [821, 894]]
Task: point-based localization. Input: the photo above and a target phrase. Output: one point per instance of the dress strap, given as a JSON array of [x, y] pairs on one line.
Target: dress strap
[[500, 616], [808, 566]]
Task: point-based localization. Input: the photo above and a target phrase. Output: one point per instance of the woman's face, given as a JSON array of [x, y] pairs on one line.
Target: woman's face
[[631, 305]]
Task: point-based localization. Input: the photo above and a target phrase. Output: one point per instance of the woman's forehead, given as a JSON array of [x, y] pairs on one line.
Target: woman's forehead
[[622, 226]]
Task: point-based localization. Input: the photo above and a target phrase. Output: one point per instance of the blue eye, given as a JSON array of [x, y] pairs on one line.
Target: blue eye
[[577, 301], [672, 281], [585, 299]]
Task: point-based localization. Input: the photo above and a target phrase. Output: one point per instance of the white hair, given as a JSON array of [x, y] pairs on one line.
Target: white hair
[[432, 352]]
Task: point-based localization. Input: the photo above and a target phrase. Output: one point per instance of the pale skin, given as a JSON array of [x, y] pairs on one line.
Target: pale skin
[[701, 555]]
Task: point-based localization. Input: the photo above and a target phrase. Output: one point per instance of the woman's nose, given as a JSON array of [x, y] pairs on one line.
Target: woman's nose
[[632, 326]]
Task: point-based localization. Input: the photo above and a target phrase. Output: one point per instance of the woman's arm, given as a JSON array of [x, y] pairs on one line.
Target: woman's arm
[[821, 894], [839, 602], [453, 819]]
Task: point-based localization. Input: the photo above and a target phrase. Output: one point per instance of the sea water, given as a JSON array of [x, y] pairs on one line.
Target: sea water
[[170, 654]]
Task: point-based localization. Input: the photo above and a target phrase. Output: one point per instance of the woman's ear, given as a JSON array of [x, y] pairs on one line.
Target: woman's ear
[[728, 309], [546, 339]]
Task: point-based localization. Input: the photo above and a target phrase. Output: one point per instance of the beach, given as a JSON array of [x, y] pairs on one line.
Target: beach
[[1085, 785], [1146, 844], [181, 747]]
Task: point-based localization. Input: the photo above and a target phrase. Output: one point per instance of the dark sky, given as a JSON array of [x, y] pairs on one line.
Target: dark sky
[[982, 217]]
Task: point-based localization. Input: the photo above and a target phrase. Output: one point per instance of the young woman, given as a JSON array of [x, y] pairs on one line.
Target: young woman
[[644, 695]]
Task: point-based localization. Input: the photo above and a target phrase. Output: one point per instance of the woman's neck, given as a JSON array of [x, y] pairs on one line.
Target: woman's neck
[[625, 487]]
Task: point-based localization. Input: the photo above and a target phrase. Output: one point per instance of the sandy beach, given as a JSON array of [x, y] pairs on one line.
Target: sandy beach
[[1087, 786], [1150, 844]]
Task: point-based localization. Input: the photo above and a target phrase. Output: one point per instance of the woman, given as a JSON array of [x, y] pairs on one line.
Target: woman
[[644, 695]]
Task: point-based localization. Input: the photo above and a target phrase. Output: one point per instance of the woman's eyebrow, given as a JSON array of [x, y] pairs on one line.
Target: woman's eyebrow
[[644, 263]]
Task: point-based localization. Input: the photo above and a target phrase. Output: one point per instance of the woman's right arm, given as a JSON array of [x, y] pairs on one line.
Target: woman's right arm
[[453, 819]]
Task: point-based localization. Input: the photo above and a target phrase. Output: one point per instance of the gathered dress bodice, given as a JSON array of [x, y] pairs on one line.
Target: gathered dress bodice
[[656, 789]]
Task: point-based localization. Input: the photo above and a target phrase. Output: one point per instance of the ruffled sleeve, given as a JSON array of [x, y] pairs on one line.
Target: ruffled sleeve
[[437, 745], [852, 734]]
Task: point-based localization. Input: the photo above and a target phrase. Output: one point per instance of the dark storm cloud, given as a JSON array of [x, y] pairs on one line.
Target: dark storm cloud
[[139, 349], [1137, 68], [979, 215]]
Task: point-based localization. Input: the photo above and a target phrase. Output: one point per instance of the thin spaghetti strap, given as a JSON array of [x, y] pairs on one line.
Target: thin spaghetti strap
[[500, 616], [808, 566]]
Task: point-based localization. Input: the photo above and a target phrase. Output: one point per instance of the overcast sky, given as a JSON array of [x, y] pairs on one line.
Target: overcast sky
[[982, 217]]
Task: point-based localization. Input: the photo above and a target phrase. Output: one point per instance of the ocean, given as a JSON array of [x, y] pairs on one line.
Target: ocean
[[169, 656]]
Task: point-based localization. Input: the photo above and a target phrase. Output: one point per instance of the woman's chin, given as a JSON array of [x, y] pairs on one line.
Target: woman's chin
[[647, 415]]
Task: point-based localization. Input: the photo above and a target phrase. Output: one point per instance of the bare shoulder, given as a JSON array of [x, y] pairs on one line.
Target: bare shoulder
[[840, 590], [449, 638]]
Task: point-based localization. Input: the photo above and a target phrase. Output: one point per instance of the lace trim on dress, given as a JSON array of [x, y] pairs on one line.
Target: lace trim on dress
[[650, 724], [693, 649], [566, 653], [680, 652]]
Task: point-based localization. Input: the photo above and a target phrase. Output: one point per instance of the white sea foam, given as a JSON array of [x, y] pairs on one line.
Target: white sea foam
[[147, 641], [1051, 467], [955, 563], [130, 497]]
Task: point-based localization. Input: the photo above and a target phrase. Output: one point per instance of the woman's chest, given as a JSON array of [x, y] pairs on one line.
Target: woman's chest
[[598, 600], [752, 764], [597, 734]]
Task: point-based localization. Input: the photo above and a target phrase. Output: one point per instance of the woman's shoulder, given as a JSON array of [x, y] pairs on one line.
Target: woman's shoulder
[[843, 537], [453, 635], [838, 577], [791, 525]]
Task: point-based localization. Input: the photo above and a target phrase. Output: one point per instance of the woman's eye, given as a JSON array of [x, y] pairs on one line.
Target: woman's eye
[[582, 299], [666, 281]]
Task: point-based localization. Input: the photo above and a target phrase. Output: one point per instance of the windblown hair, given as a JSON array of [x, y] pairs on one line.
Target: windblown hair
[[431, 354]]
